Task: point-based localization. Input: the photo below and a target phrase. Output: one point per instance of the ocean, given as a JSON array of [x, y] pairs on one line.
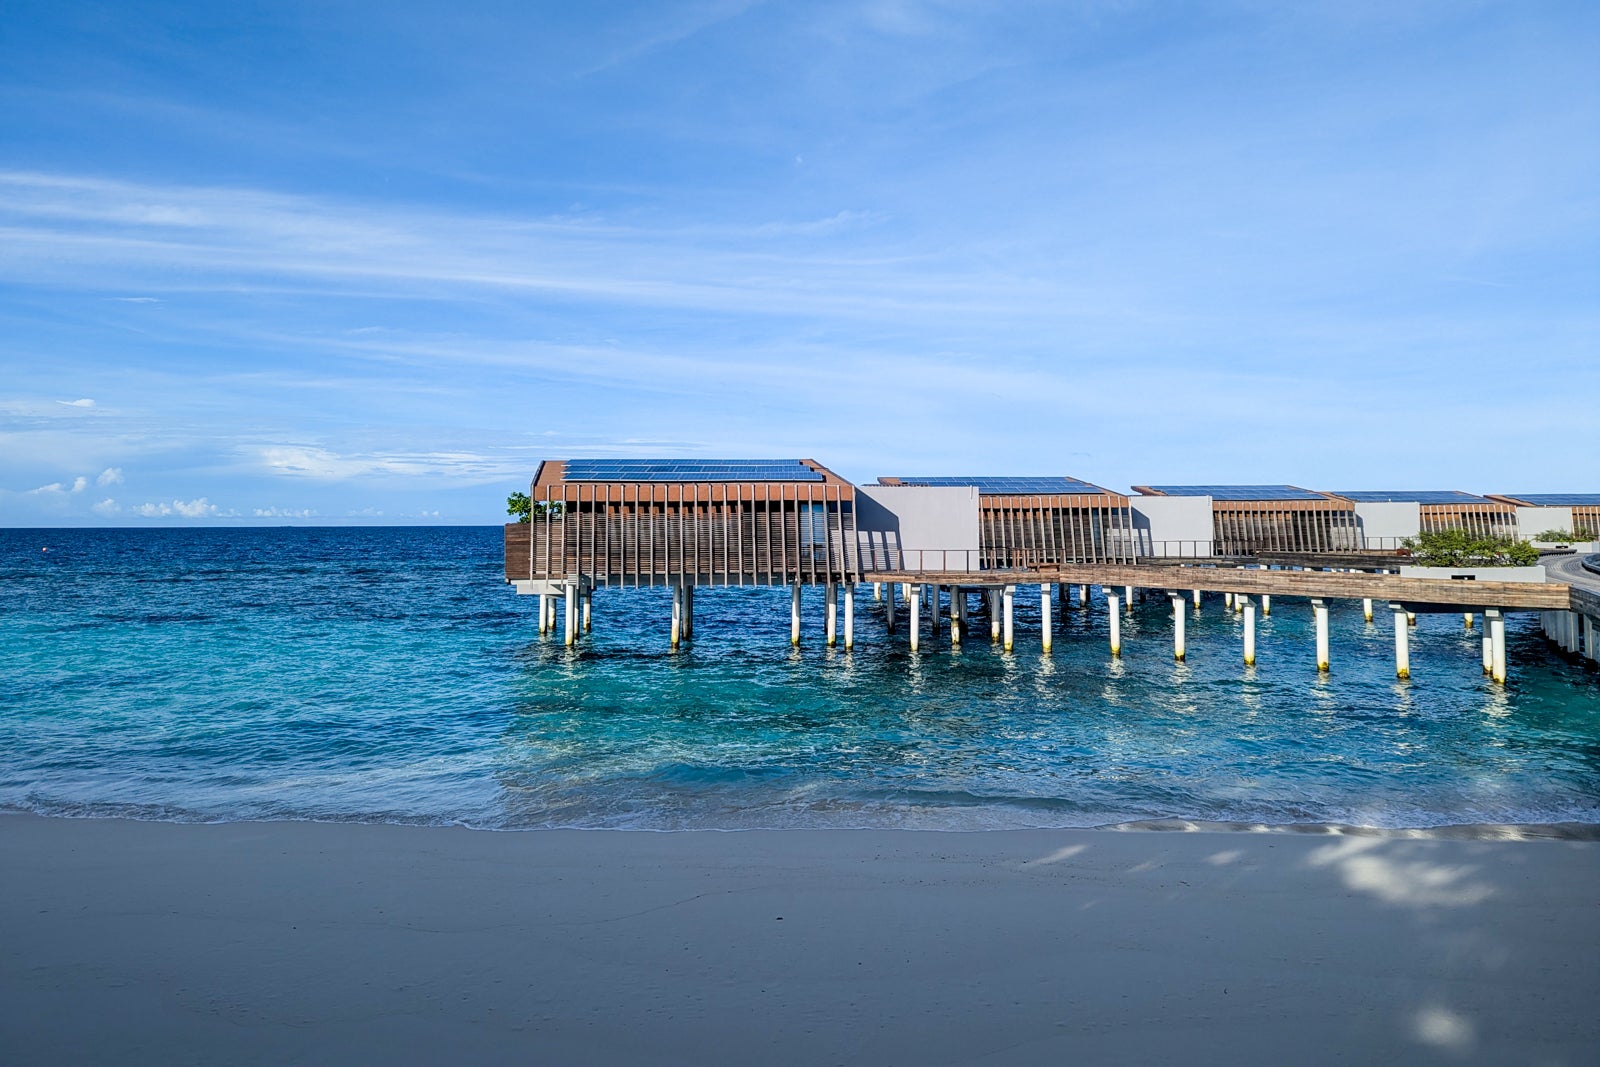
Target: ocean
[[389, 675]]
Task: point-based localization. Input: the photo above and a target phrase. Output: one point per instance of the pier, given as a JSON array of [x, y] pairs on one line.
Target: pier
[[930, 546]]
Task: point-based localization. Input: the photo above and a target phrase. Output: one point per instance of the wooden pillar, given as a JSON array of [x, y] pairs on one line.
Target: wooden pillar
[[1402, 642], [794, 614], [1008, 599], [677, 615], [1249, 632], [1114, 617], [849, 615], [1321, 611], [830, 593], [1178, 651], [915, 600], [1044, 618], [1497, 629]]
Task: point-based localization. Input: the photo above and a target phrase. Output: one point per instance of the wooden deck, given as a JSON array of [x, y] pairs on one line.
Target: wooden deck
[[1514, 596]]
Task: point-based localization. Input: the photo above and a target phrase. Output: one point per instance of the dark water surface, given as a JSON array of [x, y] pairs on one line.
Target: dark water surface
[[388, 674]]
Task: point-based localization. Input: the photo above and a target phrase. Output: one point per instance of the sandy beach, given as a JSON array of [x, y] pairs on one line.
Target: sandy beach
[[136, 942]]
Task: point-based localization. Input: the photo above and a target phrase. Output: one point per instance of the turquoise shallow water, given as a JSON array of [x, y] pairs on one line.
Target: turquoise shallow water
[[389, 675]]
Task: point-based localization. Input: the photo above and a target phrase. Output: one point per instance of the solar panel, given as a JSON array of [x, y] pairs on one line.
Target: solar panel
[[1559, 500], [689, 470], [1007, 486], [1411, 496], [1240, 492]]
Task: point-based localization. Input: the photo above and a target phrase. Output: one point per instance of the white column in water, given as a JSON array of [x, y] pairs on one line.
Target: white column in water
[[1321, 611], [1249, 632], [914, 598], [955, 615], [830, 594], [1127, 593], [1488, 645], [877, 590], [1497, 630], [677, 615], [1227, 601], [1466, 619], [1044, 617], [1083, 596], [572, 614], [1266, 604], [1402, 642], [544, 613], [1008, 600], [588, 610], [1411, 618], [1177, 626], [1197, 599], [1114, 617], [849, 615], [994, 613], [794, 614], [1366, 608]]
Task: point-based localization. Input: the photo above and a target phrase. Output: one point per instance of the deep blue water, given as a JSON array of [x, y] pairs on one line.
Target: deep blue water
[[388, 674]]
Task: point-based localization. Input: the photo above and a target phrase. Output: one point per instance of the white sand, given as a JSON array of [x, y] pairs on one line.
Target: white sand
[[124, 942]]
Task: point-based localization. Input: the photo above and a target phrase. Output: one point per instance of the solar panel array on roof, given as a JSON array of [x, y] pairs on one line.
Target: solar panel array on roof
[[689, 470], [1411, 496], [1559, 500], [1003, 486], [1240, 492]]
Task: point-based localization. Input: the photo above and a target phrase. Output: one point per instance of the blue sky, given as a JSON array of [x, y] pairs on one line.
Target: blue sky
[[369, 262]]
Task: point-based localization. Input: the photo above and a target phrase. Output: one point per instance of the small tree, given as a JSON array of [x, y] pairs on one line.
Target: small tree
[[1457, 548], [519, 506]]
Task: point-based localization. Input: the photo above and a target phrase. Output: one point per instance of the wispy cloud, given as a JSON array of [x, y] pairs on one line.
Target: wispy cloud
[[109, 476], [84, 403], [284, 513], [199, 508]]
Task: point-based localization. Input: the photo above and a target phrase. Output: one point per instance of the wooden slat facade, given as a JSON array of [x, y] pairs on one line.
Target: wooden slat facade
[[1488, 519], [1254, 527], [705, 533], [1022, 532]]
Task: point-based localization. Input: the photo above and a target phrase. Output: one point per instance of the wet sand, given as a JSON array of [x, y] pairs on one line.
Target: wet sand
[[135, 942]]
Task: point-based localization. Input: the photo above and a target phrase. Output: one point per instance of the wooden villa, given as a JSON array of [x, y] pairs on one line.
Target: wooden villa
[[1248, 520], [699, 522], [1446, 509], [1026, 523], [1584, 508]]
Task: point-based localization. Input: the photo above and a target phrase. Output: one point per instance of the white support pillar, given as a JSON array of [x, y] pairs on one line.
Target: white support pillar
[[1497, 631], [888, 608], [957, 628], [794, 614], [1227, 601], [571, 633], [1008, 599], [1127, 593], [1114, 617], [1411, 618], [933, 610], [1083, 596], [544, 613], [994, 613], [1366, 608], [1321, 611], [1044, 618], [1488, 645], [1466, 619], [914, 599], [1238, 603], [849, 615], [688, 612], [1177, 627], [1197, 600], [1402, 642], [677, 615], [831, 602], [1249, 632], [1266, 604], [877, 590], [588, 610]]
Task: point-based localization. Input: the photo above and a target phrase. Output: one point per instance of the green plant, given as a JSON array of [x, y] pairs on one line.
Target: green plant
[[1457, 548], [524, 508], [1550, 537]]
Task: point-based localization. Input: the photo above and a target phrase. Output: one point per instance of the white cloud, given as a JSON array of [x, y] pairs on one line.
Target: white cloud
[[311, 462], [365, 513], [108, 507], [284, 513], [110, 476], [48, 490], [79, 484], [84, 403], [198, 508]]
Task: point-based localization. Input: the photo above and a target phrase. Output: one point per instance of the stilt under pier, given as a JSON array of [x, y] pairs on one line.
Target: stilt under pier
[[1249, 632], [1044, 618], [1178, 651], [794, 614], [1321, 612], [1402, 642], [1114, 618], [1008, 600]]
